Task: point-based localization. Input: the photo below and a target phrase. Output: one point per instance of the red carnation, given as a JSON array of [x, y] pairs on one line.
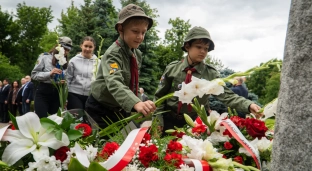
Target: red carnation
[[87, 130], [227, 132], [238, 121], [148, 154], [60, 154], [178, 134], [174, 159], [228, 145], [199, 129], [109, 149], [255, 127], [147, 137], [238, 159], [174, 146]]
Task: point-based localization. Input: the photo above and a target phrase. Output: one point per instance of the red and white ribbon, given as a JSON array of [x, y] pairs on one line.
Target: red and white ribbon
[[122, 157], [242, 140], [199, 165]]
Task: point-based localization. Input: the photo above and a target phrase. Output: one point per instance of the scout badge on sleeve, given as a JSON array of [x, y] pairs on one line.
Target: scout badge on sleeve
[[114, 68], [161, 81]]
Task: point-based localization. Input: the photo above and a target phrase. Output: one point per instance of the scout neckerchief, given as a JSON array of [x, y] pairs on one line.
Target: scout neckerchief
[[134, 82], [188, 78]]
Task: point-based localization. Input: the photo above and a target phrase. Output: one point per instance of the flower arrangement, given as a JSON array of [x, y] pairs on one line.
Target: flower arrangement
[[71, 140]]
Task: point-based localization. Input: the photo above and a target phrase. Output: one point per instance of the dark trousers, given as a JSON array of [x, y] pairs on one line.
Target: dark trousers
[[98, 111], [76, 101], [46, 100], [26, 107], [20, 109], [4, 112], [13, 108]]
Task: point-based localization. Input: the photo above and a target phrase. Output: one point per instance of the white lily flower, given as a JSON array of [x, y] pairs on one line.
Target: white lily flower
[[217, 137], [198, 86], [210, 151], [31, 138], [56, 119], [184, 167], [185, 94], [262, 144], [62, 61], [215, 87], [270, 109], [214, 116]]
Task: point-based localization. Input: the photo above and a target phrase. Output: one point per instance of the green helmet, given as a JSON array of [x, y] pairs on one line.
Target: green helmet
[[198, 33]]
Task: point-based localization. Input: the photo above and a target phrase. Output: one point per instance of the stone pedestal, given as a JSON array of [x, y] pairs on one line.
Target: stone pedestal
[[292, 146]]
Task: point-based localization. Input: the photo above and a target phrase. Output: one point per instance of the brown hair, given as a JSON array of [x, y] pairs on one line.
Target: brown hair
[[88, 38], [53, 51]]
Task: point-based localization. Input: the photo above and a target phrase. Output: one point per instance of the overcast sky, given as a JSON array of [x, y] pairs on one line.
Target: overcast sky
[[245, 32]]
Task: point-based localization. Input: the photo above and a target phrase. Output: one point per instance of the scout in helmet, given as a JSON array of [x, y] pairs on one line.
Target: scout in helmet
[[116, 86], [197, 44]]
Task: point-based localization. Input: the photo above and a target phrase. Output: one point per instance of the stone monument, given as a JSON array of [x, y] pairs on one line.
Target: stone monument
[[292, 146]]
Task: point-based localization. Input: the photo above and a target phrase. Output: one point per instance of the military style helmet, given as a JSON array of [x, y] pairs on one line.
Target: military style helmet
[[132, 10], [198, 33], [66, 42]]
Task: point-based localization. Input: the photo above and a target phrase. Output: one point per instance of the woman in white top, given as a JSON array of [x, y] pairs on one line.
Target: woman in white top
[[79, 74]]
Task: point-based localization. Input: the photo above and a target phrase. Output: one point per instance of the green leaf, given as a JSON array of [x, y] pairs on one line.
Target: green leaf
[[96, 166], [48, 123], [13, 119], [2, 163], [75, 165], [58, 134], [74, 134], [67, 120], [59, 113]]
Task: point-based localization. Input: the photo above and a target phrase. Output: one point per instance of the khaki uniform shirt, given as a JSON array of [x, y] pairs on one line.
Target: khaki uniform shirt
[[172, 79], [111, 86]]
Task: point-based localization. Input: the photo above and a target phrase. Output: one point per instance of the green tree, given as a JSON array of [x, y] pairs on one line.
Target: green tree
[[90, 19], [170, 50], [9, 34], [33, 25], [48, 41], [148, 74], [12, 72], [265, 83], [106, 18], [175, 36], [217, 63]]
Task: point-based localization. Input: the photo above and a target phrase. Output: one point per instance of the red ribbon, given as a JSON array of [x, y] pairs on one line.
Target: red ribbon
[[134, 69]]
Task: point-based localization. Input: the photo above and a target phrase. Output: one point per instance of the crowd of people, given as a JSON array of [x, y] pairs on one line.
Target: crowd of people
[[116, 86]]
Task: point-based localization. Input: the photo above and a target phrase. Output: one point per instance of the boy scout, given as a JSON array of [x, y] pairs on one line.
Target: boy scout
[[197, 44], [116, 86]]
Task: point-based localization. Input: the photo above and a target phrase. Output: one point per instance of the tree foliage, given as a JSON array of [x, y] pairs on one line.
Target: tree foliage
[[33, 25], [217, 63], [265, 84], [12, 72]]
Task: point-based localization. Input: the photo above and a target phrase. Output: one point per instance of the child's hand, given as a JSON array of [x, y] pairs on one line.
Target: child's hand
[[145, 107], [255, 109]]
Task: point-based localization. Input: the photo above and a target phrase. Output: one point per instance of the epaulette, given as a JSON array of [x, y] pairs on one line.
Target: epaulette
[[210, 66]]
